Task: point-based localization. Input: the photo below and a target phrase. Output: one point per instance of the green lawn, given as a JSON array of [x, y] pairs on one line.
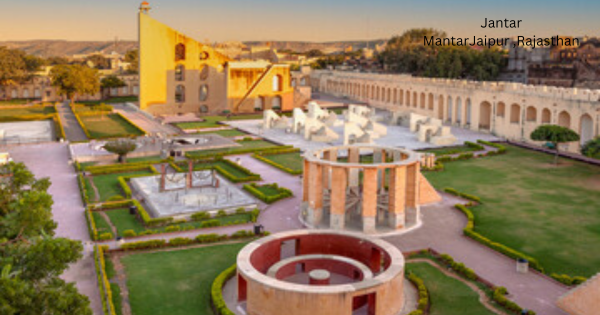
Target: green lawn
[[451, 150], [176, 282], [123, 221], [27, 110], [448, 296], [228, 133], [551, 213], [212, 121], [112, 100], [16, 101], [225, 166], [253, 144], [101, 225], [108, 184], [109, 126], [293, 160]]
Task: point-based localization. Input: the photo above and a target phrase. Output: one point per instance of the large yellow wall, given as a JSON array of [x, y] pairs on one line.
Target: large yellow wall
[[230, 88]]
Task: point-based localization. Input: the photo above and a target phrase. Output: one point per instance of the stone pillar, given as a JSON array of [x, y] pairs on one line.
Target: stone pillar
[[305, 179], [397, 195], [412, 186], [339, 182], [315, 195], [353, 157], [369, 199], [326, 172], [163, 172]]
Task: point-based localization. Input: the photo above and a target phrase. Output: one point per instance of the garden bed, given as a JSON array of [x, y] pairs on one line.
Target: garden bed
[[268, 193]]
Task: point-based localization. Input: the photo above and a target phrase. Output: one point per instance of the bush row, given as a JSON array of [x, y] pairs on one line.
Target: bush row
[[455, 192], [568, 280], [501, 148], [254, 189], [499, 297], [216, 291], [89, 218], [82, 189], [459, 268], [93, 109], [469, 231], [181, 241], [120, 168], [423, 303], [250, 176], [60, 130], [132, 124], [234, 151], [261, 157], [103, 283], [474, 146]]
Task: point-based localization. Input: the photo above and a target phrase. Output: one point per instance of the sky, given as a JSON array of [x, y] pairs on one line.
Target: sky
[[299, 20]]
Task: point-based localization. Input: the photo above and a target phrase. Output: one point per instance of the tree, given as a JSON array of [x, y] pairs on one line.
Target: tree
[[98, 62], [13, 68], [554, 134], [110, 82], [133, 58], [592, 148], [31, 258], [73, 80], [121, 147]]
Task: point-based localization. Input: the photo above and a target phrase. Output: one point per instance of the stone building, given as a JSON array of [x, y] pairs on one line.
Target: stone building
[[509, 110], [180, 75]]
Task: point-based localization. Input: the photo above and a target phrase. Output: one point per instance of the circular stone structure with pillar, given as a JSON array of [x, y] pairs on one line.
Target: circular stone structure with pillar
[[310, 272], [370, 188]]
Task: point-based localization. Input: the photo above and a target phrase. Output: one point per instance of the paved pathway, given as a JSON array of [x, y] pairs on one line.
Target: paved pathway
[[72, 128], [151, 125], [50, 160]]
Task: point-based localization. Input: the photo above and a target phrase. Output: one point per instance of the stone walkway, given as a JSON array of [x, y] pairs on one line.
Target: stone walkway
[[73, 130], [150, 125], [51, 160]]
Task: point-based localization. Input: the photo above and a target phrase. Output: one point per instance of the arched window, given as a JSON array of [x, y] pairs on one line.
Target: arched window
[[204, 73], [564, 119], [26, 93], [515, 113], [531, 114], [203, 92], [179, 52], [180, 94], [180, 73], [14, 94], [37, 93], [277, 83], [259, 104], [500, 111], [546, 116], [276, 103]]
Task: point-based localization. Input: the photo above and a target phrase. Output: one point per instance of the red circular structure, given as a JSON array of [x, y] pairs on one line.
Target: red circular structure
[[320, 272]]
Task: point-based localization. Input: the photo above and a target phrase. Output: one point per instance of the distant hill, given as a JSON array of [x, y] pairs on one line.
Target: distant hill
[[46, 48]]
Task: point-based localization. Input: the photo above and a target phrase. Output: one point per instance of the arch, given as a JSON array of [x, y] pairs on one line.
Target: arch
[[180, 94], [37, 93], [179, 52], [136, 90], [395, 99], [586, 128], [259, 104], [277, 83], [468, 108], [459, 110], [515, 113], [276, 103], [204, 72], [408, 98], [485, 115], [430, 103], [564, 119], [423, 100], [531, 114], [180, 73], [449, 109], [14, 93], [401, 97], [441, 107], [501, 109], [203, 93], [25, 93], [546, 116], [389, 95], [415, 99]]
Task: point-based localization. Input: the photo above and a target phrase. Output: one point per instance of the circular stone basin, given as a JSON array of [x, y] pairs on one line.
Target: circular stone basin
[[319, 274]]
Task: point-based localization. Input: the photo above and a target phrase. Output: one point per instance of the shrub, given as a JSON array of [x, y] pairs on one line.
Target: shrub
[[242, 234], [501, 148], [103, 282], [568, 280], [459, 268], [180, 241], [462, 195], [172, 228], [129, 233], [144, 245], [200, 216], [116, 198], [221, 213], [475, 146], [216, 292], [499, 296], [209, 238], [254, 189], [423, 302], [254, 215], [105, 236], [210, 223], [240, 210]]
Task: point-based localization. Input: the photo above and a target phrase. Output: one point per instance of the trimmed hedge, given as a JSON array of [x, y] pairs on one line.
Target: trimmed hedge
[[216, 291], [459, 268], [121, 168], [234, 151], [254, 189], [568, 280], [423, 303], [499, 297], [501, 148], [250, 176], [474, 146], [89, 218], [82, 189], [261, 157], [183, 241], [470, 232], [455, 192], [103, 284]]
